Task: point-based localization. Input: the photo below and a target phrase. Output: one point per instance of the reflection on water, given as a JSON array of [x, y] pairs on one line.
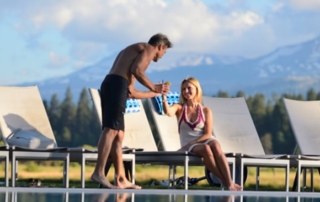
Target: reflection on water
[[20, 196]]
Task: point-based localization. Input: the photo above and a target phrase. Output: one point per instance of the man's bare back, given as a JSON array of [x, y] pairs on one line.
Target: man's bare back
[[125, 60]]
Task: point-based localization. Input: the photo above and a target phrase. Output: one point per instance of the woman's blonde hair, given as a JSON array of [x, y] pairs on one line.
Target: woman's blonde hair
[[194, 82]]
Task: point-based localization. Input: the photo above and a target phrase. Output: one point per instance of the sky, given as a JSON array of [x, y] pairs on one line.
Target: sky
[[44, 39]]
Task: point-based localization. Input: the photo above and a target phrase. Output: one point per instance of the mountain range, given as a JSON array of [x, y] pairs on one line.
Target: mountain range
[[289, 69]]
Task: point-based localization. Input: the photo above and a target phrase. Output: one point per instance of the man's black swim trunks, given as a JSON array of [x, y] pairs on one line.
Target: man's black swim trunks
[[114, 94]]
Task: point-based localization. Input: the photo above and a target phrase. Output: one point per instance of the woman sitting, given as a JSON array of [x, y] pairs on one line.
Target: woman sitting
[[195, 129]]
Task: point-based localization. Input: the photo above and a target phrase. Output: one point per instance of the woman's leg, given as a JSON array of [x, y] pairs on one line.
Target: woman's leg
[[204, 151], [223, 165]]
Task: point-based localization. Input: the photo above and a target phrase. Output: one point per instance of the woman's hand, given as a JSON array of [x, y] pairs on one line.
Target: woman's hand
[[184, 148]]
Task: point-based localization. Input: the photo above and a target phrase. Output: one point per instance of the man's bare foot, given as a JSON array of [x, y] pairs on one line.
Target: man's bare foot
[[234, 187], [122, 197], [100, 197], [226, 198], [103, 181], [125, 184]]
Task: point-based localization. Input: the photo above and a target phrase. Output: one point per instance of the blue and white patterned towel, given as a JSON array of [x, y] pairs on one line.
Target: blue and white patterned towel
[[172, 98], [132, 106]]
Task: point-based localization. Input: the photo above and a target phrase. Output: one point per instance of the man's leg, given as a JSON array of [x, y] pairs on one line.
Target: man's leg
[[104, 146], [116, 154]]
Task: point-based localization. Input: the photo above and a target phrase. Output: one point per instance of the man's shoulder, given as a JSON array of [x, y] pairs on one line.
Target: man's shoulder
[[138, 48], [139, 45]]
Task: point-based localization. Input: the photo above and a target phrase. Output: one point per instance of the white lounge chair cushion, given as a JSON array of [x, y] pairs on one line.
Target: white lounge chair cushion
[[29, 139], [172, 98]]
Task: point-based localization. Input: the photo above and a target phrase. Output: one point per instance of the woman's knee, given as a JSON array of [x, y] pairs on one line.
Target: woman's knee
[[205, 151], [215, 147]]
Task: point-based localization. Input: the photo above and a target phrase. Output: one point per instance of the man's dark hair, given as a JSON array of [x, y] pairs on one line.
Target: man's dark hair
[[159, 39]]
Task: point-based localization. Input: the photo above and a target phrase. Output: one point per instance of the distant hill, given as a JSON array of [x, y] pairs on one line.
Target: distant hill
[[290, 69]]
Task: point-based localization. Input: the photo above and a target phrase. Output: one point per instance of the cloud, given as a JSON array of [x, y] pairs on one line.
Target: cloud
[[96, 28], [57, 61], [305, 4], [303, 81], [190, 24], [277, 6], [241, 21]]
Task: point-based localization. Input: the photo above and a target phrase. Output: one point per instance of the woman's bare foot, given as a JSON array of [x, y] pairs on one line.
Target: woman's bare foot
[[234, 187], [125, 184], [103, 181]]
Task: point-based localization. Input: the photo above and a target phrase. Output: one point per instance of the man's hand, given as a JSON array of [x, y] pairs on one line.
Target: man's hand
[[162, 88], [156, 94]]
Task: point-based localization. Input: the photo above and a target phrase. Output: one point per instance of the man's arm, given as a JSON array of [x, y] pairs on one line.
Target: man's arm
[[137, 94], [139, 67]]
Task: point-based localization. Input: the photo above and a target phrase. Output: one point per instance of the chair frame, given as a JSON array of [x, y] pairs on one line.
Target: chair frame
[[229, 124], [308, 157], [189, 158], [4, 155]]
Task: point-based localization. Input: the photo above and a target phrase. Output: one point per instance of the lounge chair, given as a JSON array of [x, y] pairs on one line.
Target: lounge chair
[[137, 130], [25, 127], [167, 129], [304, 118], [138, 134], [235, 130], [4, 155], [26, 130]]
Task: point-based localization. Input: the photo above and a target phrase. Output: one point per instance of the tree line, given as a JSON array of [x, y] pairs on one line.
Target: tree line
[[77, 124]]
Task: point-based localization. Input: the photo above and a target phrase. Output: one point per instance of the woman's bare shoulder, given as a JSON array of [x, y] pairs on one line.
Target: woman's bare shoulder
[[206, 109], [177, 106]]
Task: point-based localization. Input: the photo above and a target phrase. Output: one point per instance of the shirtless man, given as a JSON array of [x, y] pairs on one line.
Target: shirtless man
[[130, 64]]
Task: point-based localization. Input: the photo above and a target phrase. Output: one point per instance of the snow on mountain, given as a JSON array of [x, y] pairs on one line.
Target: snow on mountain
[[290, 69], [296, 60]]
